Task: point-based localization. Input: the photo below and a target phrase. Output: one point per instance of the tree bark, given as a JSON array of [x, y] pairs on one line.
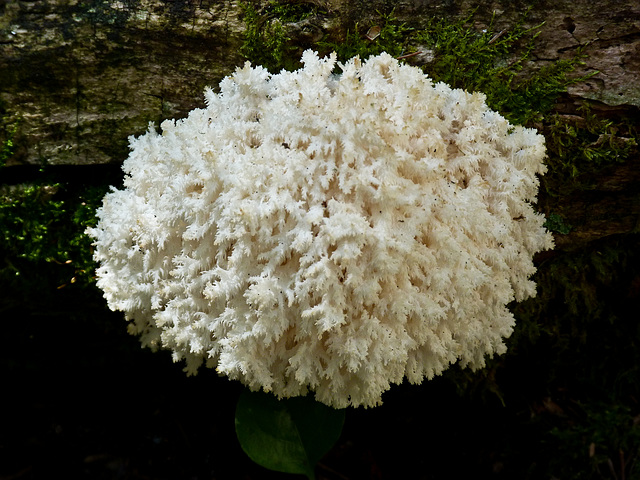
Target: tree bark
[[78, 78]]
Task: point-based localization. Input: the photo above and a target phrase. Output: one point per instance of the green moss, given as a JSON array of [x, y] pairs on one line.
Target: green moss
[[291, 12], [8, 130], [490, 61], [458, 54], [581, 146], [557, 224], [364, 40], [7, 146], [486, 61], [42, 240], [266, 41]]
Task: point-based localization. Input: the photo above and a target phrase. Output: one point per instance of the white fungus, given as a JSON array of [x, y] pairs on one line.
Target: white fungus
[[307, 232]]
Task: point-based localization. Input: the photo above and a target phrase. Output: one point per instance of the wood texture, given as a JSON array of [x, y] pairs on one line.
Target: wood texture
[[81, 77]]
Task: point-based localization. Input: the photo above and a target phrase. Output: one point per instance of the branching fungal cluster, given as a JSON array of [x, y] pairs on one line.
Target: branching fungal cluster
[[334, 234]]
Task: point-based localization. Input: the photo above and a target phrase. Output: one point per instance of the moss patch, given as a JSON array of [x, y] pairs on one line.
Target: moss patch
[[266, 38]]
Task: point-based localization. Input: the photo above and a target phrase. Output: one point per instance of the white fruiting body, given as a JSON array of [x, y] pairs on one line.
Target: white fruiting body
[[335, 234]]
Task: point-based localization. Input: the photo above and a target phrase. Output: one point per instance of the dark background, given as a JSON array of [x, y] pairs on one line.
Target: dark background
[[81, 399]]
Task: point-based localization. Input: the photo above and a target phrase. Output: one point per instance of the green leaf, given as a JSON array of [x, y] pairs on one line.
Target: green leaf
[[289, 435]]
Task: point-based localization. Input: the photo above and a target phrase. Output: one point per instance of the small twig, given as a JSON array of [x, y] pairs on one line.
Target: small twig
[[332, 471], [612, 468], [496, 36], [408, 55]]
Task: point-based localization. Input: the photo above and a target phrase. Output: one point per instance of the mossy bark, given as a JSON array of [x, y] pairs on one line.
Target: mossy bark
[[80, 77]]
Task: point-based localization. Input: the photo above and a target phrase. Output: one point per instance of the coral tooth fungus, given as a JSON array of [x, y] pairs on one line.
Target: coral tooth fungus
[[334, 234]]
